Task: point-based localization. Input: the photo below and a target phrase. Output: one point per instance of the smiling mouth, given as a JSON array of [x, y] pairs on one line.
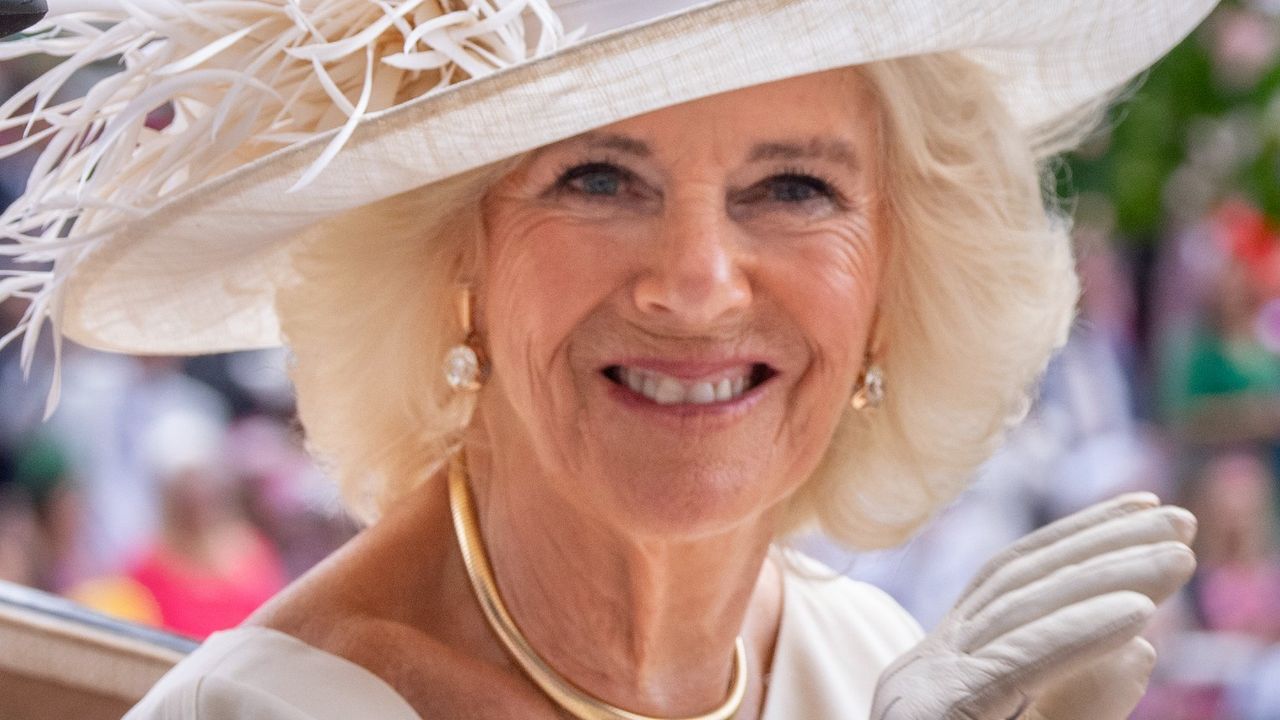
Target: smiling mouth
[[664, 389]]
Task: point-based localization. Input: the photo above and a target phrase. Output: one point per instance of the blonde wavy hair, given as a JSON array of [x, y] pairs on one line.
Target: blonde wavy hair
[[979, 290]]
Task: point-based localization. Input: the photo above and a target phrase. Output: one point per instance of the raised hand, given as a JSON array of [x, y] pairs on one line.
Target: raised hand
[[1048, 630]]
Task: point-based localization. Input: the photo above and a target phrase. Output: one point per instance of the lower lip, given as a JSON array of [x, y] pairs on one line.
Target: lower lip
[[723, 410]]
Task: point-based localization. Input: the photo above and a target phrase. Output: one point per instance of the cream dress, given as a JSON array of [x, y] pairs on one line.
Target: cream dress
[[835, 637]]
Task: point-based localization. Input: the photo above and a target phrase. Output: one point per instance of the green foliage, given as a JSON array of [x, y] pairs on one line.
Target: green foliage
[[1149, 138]]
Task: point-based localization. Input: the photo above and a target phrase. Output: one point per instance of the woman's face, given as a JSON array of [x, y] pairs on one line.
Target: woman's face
[[677, 306]]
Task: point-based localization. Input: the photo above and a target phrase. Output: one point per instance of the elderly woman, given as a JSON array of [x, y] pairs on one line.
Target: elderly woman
[[584, 339]]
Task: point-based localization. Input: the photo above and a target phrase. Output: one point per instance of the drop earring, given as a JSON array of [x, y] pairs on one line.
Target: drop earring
[[465, 364], [869, 392]]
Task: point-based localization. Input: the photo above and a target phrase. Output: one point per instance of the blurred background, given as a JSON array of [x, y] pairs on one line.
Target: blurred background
[[176, 492]]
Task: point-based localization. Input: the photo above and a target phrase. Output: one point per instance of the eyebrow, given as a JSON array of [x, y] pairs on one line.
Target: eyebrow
[[618, 143], [817, 148]]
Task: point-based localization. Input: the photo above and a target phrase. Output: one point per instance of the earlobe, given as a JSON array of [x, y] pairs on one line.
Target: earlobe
[[466, 366], [869, 391]]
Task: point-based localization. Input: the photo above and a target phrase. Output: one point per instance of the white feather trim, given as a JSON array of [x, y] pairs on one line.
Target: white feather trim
[[243, 78]]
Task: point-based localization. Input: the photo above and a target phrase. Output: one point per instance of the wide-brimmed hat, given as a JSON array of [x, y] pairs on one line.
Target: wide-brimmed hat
[[170, 235]]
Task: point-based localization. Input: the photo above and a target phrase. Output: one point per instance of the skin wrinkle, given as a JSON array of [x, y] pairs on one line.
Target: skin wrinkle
[[533, 372], [629, 550], [857, 265]]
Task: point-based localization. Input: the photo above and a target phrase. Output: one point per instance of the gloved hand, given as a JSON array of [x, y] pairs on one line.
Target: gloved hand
[[1048, 630]]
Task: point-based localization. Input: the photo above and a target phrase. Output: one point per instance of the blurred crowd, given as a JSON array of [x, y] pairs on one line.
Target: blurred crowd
[[171, 492], [174, 492], [177, 492]]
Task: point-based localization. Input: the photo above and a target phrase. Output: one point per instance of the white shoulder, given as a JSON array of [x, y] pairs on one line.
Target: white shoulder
[[836, 604], [836, 637], [261, 673], [212, 697], [208, 684]]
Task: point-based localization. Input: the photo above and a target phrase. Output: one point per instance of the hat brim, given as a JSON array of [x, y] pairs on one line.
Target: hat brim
[[198, 273]]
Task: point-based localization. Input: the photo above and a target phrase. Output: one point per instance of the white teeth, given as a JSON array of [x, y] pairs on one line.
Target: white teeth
[[670, 391], [633, 380], [666, 390], [702, 393]]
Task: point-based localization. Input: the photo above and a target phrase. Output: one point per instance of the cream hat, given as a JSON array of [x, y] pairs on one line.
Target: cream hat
[[289, 112]]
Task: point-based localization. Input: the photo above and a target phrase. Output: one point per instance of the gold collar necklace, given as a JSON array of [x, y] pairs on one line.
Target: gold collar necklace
[[560, 690]]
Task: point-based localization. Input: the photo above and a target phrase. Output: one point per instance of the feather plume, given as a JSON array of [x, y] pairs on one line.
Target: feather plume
[[242, 78]]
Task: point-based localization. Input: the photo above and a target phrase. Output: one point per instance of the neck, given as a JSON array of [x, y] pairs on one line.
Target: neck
[[645, 624]]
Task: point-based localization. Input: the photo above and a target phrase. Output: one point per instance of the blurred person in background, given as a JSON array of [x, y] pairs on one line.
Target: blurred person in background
[[1237, 584], [38, 504], [42, 476], [1219, 642], [17, 528], [208, 567], [284, 494], [1232, 391], [111, 403]]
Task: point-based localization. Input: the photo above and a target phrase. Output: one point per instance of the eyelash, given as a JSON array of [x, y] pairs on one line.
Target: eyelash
[[819, 182], [573, 170], [570, 171]]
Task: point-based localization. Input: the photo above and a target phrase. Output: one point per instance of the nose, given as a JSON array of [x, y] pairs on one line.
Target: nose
[[696, 273]]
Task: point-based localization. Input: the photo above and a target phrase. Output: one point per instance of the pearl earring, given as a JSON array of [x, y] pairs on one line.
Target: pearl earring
[[465, 365], [869, 392]]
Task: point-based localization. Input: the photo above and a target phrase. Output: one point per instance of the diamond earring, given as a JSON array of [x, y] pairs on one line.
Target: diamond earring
[[465, 365], [869, 392]]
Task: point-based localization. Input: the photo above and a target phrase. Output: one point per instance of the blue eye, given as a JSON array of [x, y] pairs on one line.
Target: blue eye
[[600, 184], [597, 179], [796, 189], [791, 193]]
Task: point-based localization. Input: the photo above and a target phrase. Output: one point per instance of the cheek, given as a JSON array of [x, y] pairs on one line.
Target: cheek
[[827, 285], [542, 277], [831, 284]]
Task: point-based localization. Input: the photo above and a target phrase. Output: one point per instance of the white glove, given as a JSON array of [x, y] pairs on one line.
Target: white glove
[[1048, 630]]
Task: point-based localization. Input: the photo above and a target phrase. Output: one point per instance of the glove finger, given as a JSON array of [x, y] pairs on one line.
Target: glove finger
[[1093, 515], [1108, 688], [1054, 647], [1149, 525], [1155, 570]]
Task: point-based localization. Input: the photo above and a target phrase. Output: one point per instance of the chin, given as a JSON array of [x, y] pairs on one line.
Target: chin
[[669, 497]]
